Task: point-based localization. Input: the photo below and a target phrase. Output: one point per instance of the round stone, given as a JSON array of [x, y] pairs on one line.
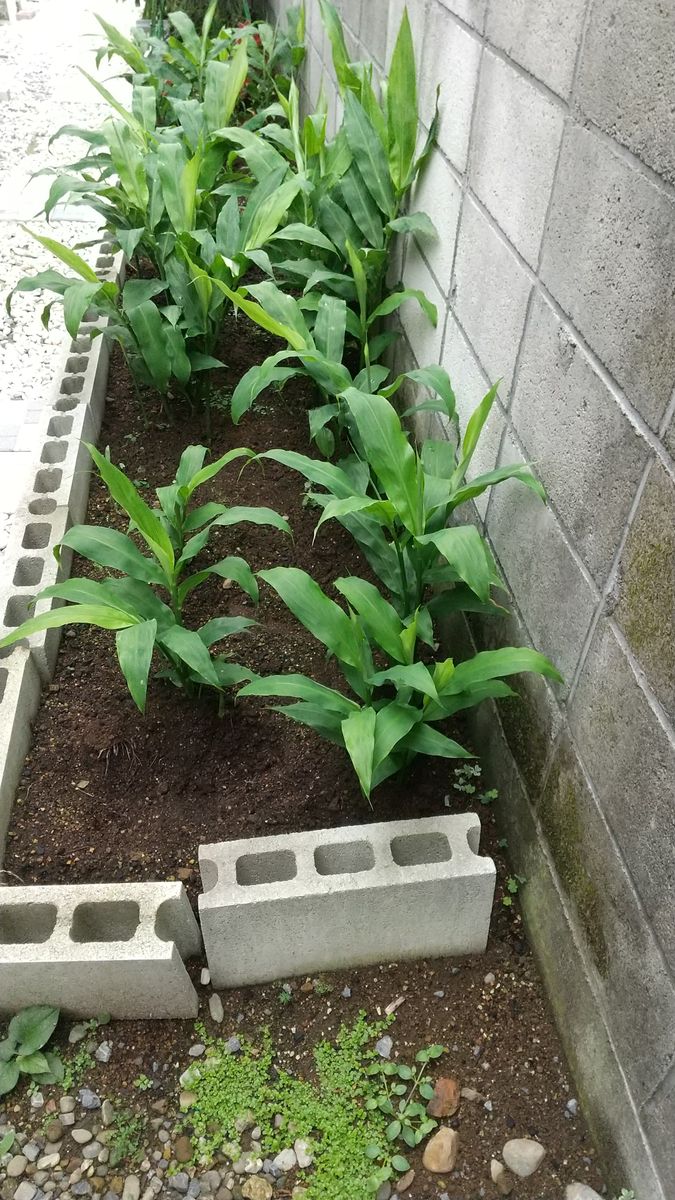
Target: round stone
[[16, 1166], [523, 1156], [440, 1153]]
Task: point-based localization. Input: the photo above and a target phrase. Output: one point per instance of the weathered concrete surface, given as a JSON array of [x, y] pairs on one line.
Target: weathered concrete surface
[[337, 898], [543, 37]]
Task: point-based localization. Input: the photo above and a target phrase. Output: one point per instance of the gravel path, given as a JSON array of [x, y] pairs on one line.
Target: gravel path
[[40, 90]]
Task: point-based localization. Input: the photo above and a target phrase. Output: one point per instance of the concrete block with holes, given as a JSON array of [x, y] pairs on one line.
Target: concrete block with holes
[[31, 565], [334, 898], [20, 686], [116, 948]]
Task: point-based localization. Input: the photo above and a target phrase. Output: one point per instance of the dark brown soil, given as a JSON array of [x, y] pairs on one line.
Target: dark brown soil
[[109, 795]]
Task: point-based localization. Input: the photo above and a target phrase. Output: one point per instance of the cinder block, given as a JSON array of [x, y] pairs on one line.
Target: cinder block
[[658, 1115], [630, 968], [438, 194], [31, 566], [588, 454], [490, 290], [608, 259], [91, 948], [514, 151], [630, 759], [19, 698], [570, 978], [374, 27], [645, 610], [417, 11], [425, 338], [557, 600], [542, 37], [451, 58], [335, 898], [471, 11], [350, 11], [625, 81]]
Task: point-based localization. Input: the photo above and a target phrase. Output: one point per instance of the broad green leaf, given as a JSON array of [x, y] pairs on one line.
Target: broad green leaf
[[394, 722], [326, 474], [34, 1063], [360, 281], [381, 621], [330, 327], [320, 615], [149, 330], [495, 664], [124, 493], [473, 431], [223, 83], [258, 314], [369, 154], [423, 739], [9, 1077], [72, 614], [8, 1140], [481, 482], [188, 34], [253, 515], [213, 468], [135, 647], [284, 309], [137, 291], [418, 223], [233, 567], [187, 645], [110, 548], [402, 114], [223, 627], [361, 206], [358, 731], [32, 1028], [437, 380], [123, 46], [390, 455], [300, 687], [270, 214], [462, 546], [307, 234], [131, 121], [396, 299], [416, 676], [128, 162], [66, 255], [77, 299], [257, 379]]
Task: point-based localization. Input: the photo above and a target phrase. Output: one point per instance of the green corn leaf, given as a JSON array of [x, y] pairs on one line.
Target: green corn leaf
[[223, 627], [261, 157], [360, 204], [418, 223], [179, 177], [270, 214], [415, 675], [480, 483], [495, 664], [472, 433], [212, 469], [135, 647], [258, 314], [223, 83], [402, 106], [130, 119], [128, 162], [380, 619], [423, 739], [284, 309], [256, 379], [394, 722], [66, 256], [149, 330], [437, 380], [307, 234], [124, 493], [77, 299], [396, 299], [326, 474], [390, 455], [347, 78], [382, 511], [360, 281], [330, 327], [8, 1140], [75, 614], [110, 548], [232, 567], [188, 34], [320, 615], [187, 645], [337, 223], [137, 291], [144, 106], [129, 240], [123, 46], [302, 688], [368, 152], [463, 548], [260, 515], [358, 731]]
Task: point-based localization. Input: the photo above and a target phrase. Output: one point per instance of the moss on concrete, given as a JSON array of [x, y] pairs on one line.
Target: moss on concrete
[[561, 821]]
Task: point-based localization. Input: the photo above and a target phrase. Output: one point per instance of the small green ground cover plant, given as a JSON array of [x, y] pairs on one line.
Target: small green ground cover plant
[[23, 1052], [357, 1117]]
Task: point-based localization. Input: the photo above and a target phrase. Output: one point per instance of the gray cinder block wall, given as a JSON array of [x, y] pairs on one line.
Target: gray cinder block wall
[[552, 189]]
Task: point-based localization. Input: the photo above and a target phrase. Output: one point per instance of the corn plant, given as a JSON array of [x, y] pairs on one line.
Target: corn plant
[[129, 602], [397, 500], [381, 734]]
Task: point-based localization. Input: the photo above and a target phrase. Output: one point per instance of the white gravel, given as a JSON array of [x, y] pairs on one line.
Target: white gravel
[[40, 90]]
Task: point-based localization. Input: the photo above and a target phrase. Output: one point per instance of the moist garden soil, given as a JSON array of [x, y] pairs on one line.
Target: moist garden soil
[[108, 795]]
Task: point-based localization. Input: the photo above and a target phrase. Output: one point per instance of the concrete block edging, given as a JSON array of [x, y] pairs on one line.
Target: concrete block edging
[[332, 898]]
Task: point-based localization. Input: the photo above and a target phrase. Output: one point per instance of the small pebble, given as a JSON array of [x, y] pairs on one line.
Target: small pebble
[[103, 1052], [384, 1046], [216, 1008], [197, 1050]]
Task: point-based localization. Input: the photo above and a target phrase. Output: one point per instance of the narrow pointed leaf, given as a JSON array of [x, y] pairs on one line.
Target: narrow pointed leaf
[[135, 647]]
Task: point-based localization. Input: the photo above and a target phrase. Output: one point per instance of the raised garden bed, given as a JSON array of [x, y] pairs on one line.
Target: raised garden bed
[[109, 795]]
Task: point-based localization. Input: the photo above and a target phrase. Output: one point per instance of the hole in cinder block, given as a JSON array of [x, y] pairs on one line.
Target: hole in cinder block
[[17, 610], [28, 572], [106, 921], [91, 315], [60, 427], [340, 858], [54, 452], [4, 676], [77, 364], [48, 479], [270, 866], [209, 874], [24, 923], [36, 536], [104, 263], [42, 507], [168, 919], [65, 404], [473, 838], [72, 385], [415, 849], [80, 344]]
